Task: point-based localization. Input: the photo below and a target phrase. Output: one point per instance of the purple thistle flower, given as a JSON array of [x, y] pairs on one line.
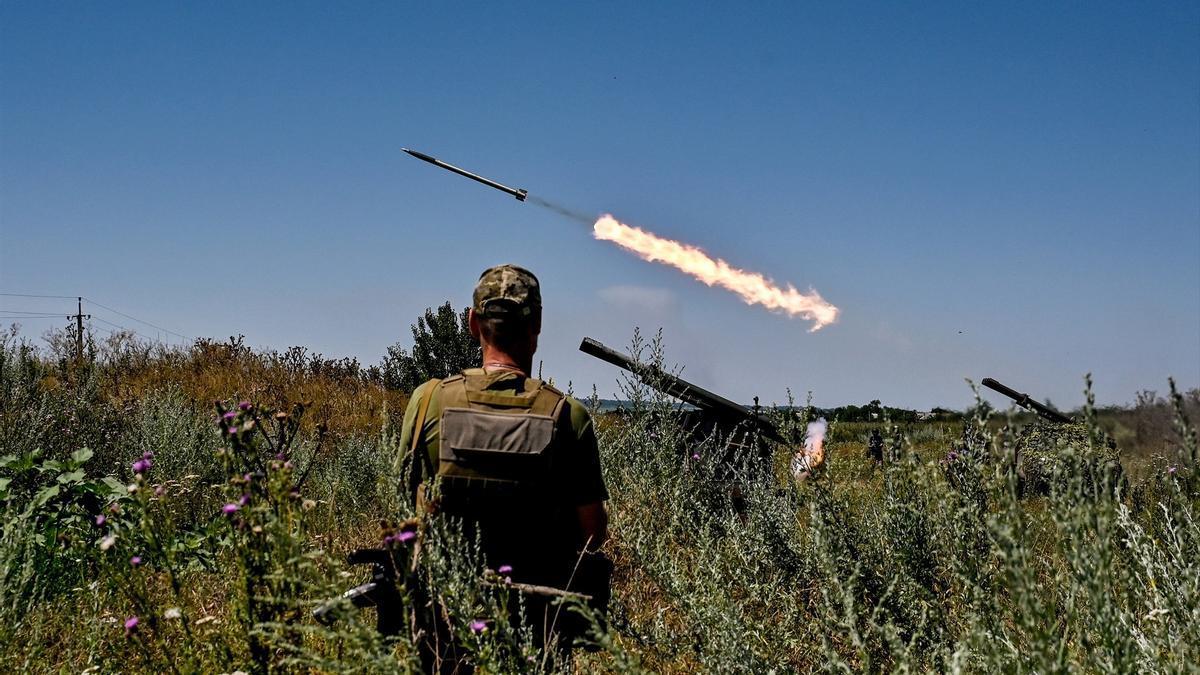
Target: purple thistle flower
[[406, 535], [230, 509], [147, 455], [505, 569], [141, 466], [100, 520], [952, 456], [244, 405], [131, 625], [244, 500], [135, 560], [478, 626], [247, 477], [228, 417], [280, 456], [696, 456], [159, 490], [1171, 470]]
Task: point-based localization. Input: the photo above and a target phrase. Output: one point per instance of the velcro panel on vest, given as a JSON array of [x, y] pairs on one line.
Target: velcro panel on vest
[[468, 435]]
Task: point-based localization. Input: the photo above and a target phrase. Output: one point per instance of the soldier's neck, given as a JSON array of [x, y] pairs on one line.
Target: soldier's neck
[[495, 358]]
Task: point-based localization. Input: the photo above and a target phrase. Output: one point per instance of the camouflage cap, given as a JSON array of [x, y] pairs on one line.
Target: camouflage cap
[[507, 291]]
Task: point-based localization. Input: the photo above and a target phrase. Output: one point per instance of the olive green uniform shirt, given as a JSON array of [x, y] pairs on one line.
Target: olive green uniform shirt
[[539, 539]]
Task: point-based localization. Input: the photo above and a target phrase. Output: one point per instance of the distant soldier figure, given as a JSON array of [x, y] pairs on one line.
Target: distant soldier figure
[[513, 457], [875, 446]]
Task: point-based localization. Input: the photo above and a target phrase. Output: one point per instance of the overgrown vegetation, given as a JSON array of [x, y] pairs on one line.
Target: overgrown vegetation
[[147, 529], [442, 345]]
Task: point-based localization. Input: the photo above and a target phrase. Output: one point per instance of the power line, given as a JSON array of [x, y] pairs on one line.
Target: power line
[[134, 318], [117, 325], [106, 330], [32, 295], [102, 306], [30, 314]]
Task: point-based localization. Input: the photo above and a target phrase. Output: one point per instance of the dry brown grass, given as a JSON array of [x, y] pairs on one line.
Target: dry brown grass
[[339, 393]]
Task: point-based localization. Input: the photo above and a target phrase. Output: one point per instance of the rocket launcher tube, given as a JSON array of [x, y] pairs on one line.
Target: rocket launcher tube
[[713, 404], [1026, 402]]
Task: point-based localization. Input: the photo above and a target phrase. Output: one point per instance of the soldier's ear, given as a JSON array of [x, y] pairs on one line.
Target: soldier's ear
[[473, 324]]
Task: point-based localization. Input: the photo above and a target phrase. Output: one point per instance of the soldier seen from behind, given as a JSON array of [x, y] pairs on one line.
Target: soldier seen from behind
[[515, 460], [875, 446]]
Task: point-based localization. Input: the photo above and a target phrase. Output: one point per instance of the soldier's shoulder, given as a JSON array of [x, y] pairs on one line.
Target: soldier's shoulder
[[580, 416], [578, 411], [429, 389]]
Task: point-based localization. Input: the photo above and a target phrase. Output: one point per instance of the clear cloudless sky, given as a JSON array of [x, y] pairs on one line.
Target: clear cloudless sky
[[1009, 190]]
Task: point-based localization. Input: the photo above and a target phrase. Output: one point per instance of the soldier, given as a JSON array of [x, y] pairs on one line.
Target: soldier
[[875, 446], [511, 456]]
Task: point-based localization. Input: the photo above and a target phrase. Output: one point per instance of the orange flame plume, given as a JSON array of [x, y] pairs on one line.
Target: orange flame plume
[[754, 288]]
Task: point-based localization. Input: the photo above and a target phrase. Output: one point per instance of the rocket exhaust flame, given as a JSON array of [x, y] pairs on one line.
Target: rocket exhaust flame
[[752, 287]]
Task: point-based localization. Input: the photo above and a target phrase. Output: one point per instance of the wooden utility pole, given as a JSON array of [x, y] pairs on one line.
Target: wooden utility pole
[[79, 316]]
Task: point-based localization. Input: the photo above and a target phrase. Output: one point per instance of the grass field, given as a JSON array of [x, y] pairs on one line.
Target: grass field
[[184, 510]]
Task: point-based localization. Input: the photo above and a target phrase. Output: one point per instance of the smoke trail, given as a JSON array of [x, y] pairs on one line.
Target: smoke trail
[[560, 210], [753, 287]]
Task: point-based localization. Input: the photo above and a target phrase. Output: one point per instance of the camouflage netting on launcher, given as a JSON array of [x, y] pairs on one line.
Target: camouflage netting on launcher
[[1051, 454]]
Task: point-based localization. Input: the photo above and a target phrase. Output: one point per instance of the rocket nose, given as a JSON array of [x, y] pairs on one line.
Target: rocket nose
[[418, 155]]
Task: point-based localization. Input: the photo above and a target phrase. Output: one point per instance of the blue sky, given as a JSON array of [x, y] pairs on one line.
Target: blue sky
[[1027, 174]]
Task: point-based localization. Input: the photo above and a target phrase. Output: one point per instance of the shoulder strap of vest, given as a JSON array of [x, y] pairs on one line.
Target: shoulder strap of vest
[[549, 401], [453, 392], [418, 440]]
